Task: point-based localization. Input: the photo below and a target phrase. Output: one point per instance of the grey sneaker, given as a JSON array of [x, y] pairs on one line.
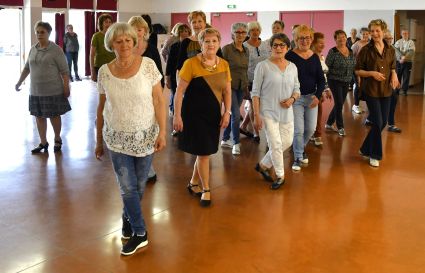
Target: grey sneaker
[[330, 128], [341, 132], [236, 150]]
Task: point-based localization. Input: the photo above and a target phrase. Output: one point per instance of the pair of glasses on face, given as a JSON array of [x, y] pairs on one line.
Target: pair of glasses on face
[[240, 32], [304, 38], [275, 46]]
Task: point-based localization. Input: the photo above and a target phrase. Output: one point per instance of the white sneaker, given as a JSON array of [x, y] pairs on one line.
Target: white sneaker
[[236, 150], [226, 143], [374, 162], [356, 109], [318, 141]]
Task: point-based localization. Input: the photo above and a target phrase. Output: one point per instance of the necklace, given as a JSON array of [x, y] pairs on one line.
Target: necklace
[[126, 66], [209, 68]]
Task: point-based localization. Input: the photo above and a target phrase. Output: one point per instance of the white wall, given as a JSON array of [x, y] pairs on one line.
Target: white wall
[[266, 19], [164, 6], [361, 18]]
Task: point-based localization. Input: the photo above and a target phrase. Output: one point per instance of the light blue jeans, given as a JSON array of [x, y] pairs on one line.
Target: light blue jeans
[[237, 97], [131, 173], [305, 120]]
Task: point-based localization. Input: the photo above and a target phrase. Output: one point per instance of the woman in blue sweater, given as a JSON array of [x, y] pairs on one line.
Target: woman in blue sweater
[[312, 84]]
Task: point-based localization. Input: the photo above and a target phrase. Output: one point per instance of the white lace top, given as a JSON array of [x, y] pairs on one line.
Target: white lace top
[[130, 126]]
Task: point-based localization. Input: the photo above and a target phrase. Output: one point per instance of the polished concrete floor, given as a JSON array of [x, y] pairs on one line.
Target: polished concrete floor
[[60, 212]]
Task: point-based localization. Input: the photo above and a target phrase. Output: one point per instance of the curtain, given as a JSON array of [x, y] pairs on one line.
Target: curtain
[[106, 5], [12, 2], [81, 4], [59, 28], [90, 29], [54, 4]]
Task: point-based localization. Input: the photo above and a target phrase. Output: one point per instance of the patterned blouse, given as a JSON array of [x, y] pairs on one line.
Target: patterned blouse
[[130, 126]]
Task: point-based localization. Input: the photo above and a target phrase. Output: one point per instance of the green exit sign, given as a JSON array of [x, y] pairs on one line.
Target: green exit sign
[[231, 6]]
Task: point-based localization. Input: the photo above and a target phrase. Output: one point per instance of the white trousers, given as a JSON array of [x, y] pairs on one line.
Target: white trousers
[[279, 138]]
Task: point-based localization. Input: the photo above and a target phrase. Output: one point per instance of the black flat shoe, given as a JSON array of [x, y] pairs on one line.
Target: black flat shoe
[[276, 185], [58, 145], [264, 173], [190, 187], [152, 179], [78, 79], [40, 148], [205, 202], [257, 139], [246, 133]]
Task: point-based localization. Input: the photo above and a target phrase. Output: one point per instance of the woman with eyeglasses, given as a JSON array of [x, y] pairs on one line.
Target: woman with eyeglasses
[[340, 61], [258, 51], [376, 65], [237, 55], [312, 84], [274, 91], [49, 89]]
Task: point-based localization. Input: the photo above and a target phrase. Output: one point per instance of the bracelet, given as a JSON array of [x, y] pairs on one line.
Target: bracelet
[[293, 98]]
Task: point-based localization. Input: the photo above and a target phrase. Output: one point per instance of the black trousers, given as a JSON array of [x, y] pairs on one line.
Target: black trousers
[[403, 74], [393, 104], [339, 92], [378, 115]]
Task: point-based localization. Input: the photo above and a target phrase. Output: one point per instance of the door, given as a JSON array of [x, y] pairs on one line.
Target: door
[[223, 22], [327, 22]]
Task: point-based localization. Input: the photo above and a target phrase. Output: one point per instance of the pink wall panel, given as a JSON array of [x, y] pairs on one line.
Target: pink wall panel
[[291, 18], [224, 20], [179, 18]]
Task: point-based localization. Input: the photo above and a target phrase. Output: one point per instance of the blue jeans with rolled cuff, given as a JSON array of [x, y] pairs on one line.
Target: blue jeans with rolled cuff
[[235, 119], [131, 173]]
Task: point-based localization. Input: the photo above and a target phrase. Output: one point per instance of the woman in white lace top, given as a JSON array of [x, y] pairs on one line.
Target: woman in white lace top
[[131, 121]]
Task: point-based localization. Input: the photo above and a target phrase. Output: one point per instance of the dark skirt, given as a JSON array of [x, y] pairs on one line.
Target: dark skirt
[[48, 106], [201, 120]]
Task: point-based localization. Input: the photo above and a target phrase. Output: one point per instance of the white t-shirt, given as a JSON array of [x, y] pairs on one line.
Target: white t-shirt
[[130, 126]]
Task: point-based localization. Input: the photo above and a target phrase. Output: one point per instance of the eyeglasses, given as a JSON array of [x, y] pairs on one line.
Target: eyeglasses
[[279, 45], [305, 38], [240, 32]]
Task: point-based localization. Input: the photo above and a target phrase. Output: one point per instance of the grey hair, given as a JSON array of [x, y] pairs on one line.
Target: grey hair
[[282, 37], [236, 26], [44, 25], [254, 24], [116, 30]]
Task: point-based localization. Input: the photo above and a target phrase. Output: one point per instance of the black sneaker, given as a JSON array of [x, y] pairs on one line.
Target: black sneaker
[[152, 179], [126, 230], [394, 129], [265, 173], [276, 185], [135, 242]]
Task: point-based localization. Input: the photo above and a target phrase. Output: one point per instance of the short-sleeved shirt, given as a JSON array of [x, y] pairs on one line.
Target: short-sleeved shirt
[[102, 56], [238, 63], [369, 59], [46, 65], [130, 125]]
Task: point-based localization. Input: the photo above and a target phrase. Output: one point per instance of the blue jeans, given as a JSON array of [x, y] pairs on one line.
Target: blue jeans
[[131, 173], [72, 57], [237, 97], [305, 120], [379, 109], [403, 74]]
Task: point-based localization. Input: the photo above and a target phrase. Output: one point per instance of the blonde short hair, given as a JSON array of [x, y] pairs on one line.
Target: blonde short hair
[[208, 31], [254, 24], [193, 14], [303, 29], [116, 30], [139, 22], [378, 22]]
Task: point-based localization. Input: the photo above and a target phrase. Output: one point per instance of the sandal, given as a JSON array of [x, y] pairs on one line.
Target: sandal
[[58, 145], [205, 202], [190, 187]]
